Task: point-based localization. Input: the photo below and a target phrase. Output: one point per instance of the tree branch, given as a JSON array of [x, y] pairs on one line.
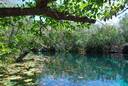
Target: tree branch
[[43, 11], [125, 9]]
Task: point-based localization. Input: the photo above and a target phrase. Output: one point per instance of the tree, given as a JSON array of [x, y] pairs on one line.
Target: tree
[[85, 11]]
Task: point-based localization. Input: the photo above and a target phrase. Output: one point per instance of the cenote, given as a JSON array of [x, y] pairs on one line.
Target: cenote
[[67, 69], [91, 70], [71, 31]]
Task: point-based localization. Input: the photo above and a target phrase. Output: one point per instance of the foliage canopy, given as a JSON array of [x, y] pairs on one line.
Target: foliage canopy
[[73, 10]]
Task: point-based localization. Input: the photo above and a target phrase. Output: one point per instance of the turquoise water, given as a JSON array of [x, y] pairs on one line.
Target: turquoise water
[[78, 70]]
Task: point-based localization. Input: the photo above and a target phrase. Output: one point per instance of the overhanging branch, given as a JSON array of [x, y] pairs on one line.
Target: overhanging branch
[[125, 9], [43, 11]]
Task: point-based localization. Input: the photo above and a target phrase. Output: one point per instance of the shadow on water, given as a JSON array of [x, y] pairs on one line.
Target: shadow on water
[[91, 70]]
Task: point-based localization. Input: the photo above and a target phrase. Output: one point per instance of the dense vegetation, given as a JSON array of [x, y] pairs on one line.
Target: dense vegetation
[[27, 33], [22, 33]]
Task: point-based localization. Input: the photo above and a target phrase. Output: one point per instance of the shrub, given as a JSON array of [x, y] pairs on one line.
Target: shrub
[[104, 37]]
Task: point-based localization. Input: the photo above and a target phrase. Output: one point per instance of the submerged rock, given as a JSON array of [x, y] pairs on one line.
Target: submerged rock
[[28, 80], [14, 78], [20, 74]]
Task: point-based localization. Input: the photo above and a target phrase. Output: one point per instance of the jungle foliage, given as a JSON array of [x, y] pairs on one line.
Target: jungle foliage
[[21, 33]]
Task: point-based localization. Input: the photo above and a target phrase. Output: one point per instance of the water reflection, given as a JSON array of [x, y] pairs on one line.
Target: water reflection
[[77, 70], [67, 82]]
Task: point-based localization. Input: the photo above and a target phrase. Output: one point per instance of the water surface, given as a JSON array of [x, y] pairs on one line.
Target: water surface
[[79, 70], [66, 69]]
